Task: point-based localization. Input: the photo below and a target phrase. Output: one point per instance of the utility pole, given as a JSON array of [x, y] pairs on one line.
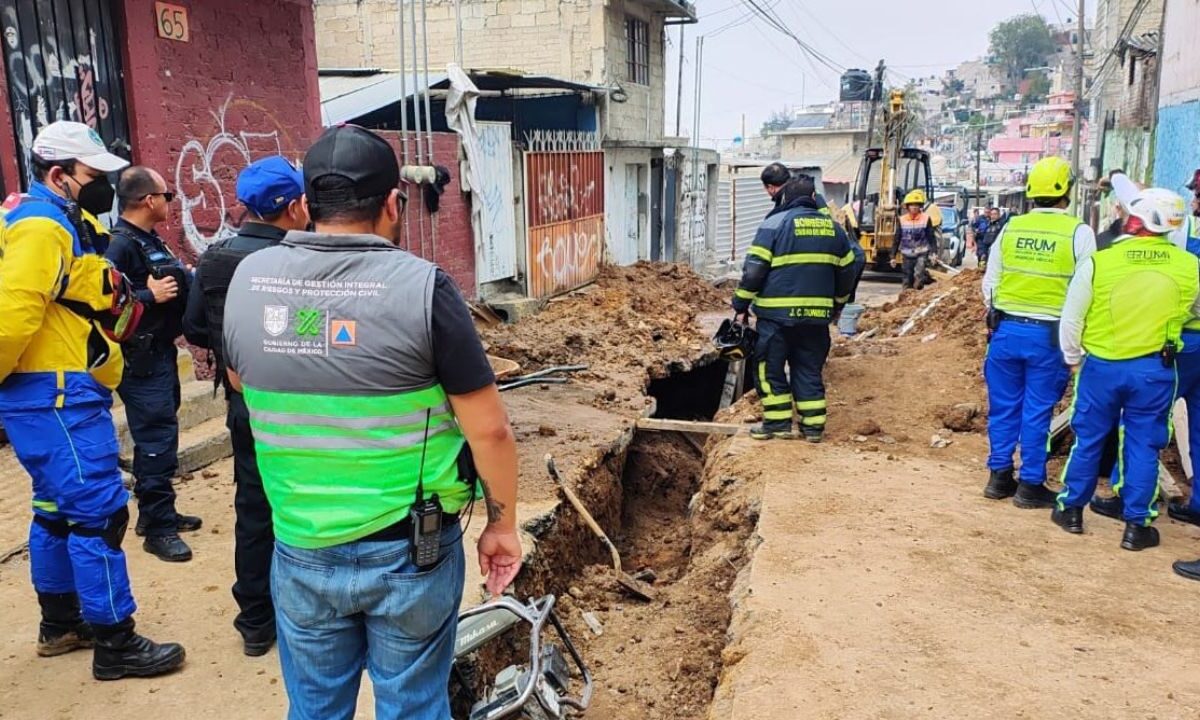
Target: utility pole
[[1077, 125], [679, 87], [978, 163], [876, 91]]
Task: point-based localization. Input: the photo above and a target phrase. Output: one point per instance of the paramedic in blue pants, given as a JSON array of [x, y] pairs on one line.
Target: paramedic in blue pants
[[1189, 370], [1028, 271], [1125, 309], [58, 364]]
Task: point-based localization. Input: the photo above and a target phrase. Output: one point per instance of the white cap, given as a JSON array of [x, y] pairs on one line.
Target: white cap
[[67, 140]]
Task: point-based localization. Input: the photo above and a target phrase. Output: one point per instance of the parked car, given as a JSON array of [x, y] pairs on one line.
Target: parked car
[[954, 237]]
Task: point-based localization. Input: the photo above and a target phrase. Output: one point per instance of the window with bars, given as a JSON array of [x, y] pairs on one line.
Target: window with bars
[[637, 39]]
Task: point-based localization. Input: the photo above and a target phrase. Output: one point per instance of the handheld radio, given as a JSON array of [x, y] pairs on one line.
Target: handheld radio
[[425, 517]]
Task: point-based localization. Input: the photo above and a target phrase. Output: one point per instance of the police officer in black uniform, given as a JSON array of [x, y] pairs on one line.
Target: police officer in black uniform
[[271, 190], [150, 385]]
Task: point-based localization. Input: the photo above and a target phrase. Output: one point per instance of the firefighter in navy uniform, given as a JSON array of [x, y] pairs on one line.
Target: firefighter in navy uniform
[[150, 386], [798, 274], [271, 189]]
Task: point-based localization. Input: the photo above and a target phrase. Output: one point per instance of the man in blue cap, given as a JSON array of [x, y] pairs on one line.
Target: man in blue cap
[[271, 189]]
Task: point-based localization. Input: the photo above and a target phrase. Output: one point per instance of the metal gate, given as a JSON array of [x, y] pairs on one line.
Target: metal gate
[[63, 63], [564, 203], [496, 251]]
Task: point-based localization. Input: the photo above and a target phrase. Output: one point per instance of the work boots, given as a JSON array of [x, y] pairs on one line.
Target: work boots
[[1033, 497], [1139, 537], [1069, 519], [121, 652], [1183, 513], [768, 431], [1113, 507], [63, 628], [1001, 484]]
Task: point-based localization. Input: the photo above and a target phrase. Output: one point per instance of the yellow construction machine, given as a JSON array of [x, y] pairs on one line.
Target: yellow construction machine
[[885, 175]]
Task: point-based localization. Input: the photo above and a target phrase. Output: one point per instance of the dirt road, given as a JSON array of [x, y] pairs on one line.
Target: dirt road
[[892, 589]]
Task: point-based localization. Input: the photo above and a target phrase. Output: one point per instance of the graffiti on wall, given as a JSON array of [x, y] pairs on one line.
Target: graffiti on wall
[[564, 255], [207, 169], [565, 198], [1177, 154], [61, 70]]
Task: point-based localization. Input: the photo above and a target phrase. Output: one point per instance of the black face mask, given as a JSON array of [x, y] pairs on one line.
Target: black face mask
[[97, 196]]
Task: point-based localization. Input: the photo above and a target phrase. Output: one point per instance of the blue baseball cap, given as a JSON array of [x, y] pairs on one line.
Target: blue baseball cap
[[268, 185]]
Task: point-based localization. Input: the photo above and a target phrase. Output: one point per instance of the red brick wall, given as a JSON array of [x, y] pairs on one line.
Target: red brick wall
[[8, 141], [454, 243], [243, 88]]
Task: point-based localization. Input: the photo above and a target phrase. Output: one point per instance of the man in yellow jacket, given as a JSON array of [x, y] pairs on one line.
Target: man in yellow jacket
[[61, 307]]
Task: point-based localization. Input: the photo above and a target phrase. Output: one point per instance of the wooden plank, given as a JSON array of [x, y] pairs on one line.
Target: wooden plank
[[1181, 437], [1166, 481], [689, 426], [1060, 423]]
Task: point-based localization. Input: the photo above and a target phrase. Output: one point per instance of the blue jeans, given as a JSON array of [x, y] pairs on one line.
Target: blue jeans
[[363, 604], [1025, 376]]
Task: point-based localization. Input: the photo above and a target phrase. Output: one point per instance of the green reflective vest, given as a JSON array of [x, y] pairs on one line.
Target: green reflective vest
[[1037, 260], [337, 468], [1142, 293]]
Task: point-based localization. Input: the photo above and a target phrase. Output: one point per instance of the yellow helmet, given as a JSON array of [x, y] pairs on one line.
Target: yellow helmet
[[916, 197], [1050, 178]]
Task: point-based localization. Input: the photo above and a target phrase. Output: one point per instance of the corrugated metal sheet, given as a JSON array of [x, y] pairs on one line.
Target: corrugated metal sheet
[[497, 251], [741, 206]]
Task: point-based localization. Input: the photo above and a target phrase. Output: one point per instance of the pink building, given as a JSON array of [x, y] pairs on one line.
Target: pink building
[[1041, 132]]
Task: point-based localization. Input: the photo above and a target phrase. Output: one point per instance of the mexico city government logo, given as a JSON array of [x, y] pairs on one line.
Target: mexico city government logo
[[275, 319]]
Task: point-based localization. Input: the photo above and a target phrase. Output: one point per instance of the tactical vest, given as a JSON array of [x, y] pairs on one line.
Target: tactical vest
[[1037, 257], [217, 268], [1142, 293]]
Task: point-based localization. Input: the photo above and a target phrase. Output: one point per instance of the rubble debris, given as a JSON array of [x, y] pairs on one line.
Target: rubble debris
[[868, 428], [938, 442], [961, 417], [593, 623]]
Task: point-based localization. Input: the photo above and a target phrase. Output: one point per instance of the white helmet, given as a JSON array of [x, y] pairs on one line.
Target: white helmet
[[1161, 211]]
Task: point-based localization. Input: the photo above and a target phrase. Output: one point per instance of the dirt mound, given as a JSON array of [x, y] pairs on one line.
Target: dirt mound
[[632, 318], [958, 312]]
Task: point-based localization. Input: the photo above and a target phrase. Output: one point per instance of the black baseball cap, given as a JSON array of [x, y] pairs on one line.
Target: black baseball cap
[[354, 153], [1195, 183]]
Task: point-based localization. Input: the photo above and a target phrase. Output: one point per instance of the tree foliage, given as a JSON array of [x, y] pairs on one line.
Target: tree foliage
[[777, 121], [1021, 42], [1039, 88]]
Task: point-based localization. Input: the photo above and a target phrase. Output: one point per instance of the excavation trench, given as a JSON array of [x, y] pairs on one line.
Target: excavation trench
[[683, 528]]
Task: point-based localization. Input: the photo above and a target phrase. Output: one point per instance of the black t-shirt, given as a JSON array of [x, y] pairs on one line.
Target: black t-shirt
[[462, 365]]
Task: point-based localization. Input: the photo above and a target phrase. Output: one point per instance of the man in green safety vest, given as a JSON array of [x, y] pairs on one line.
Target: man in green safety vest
[[1126, 308], [1029, 266], [376, 418]]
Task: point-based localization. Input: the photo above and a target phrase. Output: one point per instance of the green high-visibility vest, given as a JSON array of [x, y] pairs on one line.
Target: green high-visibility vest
[[1193, 246], [1037, 260], [1142, 293], [337, 468]]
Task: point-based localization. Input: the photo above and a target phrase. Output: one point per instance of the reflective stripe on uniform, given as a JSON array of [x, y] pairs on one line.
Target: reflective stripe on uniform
[[811, 404], [349, 423], [806, 259], [745, 294], [812, 420], [788, 302], [348, 442], [45, 506], [760, 252]]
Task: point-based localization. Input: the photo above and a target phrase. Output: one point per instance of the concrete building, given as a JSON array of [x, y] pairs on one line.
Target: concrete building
[[616, 45], [1177, 152], [979, 79], [1043, 131], [185, 93]]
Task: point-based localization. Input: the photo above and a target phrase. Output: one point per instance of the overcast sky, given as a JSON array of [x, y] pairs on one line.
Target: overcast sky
[[754, 69]]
